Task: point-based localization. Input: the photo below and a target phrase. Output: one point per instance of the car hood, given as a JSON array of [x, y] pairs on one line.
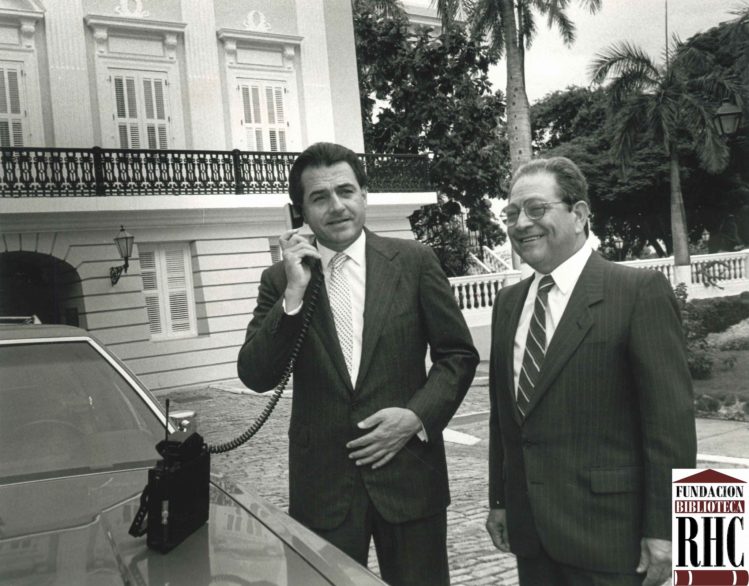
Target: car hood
[[74, 530]]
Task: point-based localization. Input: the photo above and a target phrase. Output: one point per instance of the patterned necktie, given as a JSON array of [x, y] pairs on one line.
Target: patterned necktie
[[339, 292], [535, 346]]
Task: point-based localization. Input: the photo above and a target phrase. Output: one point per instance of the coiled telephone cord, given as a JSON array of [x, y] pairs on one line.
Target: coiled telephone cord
[[317, 280]]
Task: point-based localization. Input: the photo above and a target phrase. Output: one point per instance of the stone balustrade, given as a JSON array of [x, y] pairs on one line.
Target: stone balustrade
[[712, 275], [478, 291]]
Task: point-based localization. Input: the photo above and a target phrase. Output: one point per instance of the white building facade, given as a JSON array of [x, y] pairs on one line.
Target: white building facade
[[214, 81]]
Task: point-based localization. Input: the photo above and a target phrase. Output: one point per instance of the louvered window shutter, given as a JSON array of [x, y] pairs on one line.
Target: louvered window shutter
[[126, 105], [275, 253], [11, 110], [179, 311], [156, 126], [264, 116], [140, 111], [167, 287], [276, 118], [150, 278]]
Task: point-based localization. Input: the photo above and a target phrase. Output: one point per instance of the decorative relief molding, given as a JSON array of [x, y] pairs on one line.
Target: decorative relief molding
[[288, 56], [28, 28], [104, 27], [287, 44], [256, 21], [124, 9], [25, 22], [101, 34]]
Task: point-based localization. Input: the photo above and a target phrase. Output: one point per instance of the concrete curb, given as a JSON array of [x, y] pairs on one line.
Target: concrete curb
[[730, 460]]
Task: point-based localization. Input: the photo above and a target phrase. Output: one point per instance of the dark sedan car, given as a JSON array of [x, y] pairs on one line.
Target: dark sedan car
[[77, 437]]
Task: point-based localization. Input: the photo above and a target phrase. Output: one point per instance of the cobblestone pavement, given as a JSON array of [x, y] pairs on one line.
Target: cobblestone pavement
[[261, 464]]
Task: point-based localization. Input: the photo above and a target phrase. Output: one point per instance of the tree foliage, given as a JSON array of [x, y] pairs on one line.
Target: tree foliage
[[422, 93], [510, 26], [673, 103], [632, 204]]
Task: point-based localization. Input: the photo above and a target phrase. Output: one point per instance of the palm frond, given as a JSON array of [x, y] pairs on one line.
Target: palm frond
[[448, 10], [712, 150], [593, 6], [693, 58], [556, 14], [486, 19], [628, 125], [621, 58], [628, 84], [526, 26]]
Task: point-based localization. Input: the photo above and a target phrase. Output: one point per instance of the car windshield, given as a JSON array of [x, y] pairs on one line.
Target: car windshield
[[64, 409]]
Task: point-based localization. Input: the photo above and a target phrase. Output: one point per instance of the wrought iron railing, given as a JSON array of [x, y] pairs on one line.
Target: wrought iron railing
[[61, 172]]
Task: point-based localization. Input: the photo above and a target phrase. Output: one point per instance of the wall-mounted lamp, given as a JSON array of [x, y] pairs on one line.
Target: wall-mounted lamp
[[124, 242], [727, 118]]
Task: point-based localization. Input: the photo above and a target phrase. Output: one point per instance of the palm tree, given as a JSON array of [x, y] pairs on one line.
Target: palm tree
[[510, 26], [676, 102]]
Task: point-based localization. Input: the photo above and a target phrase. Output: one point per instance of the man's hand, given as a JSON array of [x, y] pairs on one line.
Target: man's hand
[[496, 525], [393, 427], [655, 559], [295, 249]]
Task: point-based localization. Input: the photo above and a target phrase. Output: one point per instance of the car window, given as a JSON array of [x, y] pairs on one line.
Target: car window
[[65, 409]]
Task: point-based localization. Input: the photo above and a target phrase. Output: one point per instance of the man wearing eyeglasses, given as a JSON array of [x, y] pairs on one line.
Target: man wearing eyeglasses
[[591, 399]]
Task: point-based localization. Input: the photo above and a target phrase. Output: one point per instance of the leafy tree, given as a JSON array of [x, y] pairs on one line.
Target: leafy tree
[[422, 93], [439, 226], [628, 204], [511, 26], [673, 104], [573, 123]]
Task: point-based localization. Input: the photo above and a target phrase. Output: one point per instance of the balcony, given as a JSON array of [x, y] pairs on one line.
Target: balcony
[[61, 172]]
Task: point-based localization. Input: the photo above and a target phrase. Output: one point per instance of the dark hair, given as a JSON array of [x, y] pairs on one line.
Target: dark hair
[[573, 186], [322, 154]]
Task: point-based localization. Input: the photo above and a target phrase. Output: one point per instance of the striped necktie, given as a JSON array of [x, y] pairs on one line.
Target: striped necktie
[[535, 346], [339, 293]]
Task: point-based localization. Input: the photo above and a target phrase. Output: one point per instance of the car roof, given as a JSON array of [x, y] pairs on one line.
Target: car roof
[[33, 331]]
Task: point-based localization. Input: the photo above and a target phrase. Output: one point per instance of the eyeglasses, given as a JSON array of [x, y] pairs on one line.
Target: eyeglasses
[[534, 210]]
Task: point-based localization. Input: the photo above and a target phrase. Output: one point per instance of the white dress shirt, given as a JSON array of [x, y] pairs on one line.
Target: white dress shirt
[[565, 278], [355, 270]]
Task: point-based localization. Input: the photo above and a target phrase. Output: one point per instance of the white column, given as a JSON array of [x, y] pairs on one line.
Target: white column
[[69, 78], [318, 99], [203, 78]]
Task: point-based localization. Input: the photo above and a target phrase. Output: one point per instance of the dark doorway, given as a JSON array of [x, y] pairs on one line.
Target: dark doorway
[[40, 285]]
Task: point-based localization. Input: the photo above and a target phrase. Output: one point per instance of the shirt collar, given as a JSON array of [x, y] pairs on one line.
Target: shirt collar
[[566, 274], [356, 251]]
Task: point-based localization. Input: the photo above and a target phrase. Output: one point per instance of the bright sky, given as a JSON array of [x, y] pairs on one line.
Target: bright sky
[[550, 65]]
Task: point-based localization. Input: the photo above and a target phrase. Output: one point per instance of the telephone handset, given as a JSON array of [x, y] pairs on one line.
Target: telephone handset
[[294, 216], [174, 503]]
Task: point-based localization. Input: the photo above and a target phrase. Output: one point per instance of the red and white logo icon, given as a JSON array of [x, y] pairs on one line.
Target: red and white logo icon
[[710, 527]]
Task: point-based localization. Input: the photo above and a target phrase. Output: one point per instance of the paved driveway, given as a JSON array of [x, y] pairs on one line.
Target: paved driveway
[[262, 465]]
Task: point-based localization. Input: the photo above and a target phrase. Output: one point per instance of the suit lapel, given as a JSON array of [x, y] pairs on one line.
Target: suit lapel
[[322, 323], [574, 325], [513, 309], [382, 279]]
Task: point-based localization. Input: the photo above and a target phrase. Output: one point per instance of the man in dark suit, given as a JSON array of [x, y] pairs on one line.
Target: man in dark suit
[[591, 399], [366, 457]]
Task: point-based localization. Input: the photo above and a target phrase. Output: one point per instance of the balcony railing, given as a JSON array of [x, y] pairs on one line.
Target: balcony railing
[[61, 172]]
